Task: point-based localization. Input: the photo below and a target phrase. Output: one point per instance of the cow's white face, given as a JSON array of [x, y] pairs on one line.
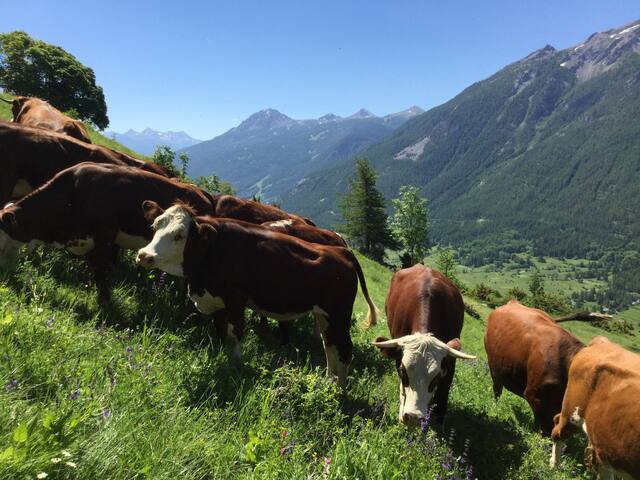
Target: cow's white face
[[166, 249], [421, 358]]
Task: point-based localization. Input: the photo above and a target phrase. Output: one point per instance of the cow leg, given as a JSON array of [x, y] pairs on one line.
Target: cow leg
[[441, 397], [100, 261], [284, 328], [235, 328], [337, 346]]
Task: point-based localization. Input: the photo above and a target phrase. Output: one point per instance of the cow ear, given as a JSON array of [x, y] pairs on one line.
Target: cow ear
[[454, 348], [151, 210], [389, 351]]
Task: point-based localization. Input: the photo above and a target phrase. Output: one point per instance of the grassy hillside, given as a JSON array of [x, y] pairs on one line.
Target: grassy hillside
[[96, 137], [145, 390]]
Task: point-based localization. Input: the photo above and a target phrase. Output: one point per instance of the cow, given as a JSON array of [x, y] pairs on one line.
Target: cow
[[306, 232], [93, 210], [230, 264], [309, 233], [254, 212], [603, 400], [31, 156], [34, 112], [529, 354], [424, 314]]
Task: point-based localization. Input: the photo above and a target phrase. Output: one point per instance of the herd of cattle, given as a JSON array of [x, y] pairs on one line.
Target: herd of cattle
[[60, 190]]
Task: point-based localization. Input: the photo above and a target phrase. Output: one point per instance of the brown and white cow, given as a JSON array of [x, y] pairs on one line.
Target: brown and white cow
[[31, 156], [253, 212], [307, 232], [34, 112], [529, 354], [425, 314], [230, 265], [603, 400], [93, 210]]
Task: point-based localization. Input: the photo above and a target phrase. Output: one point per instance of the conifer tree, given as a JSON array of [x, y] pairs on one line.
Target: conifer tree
[[363, 212]]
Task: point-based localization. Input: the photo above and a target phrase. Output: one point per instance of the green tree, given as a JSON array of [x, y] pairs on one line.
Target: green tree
[[409, 224], [363, 212], [35, 68], [446, 264], [214, 185], [166, 157]]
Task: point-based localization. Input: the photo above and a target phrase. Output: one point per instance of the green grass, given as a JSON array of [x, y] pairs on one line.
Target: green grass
[[96, 137], [145, 390]]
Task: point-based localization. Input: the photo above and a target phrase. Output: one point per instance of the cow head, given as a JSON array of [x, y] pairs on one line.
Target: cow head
[[173, 228], [420, 359]]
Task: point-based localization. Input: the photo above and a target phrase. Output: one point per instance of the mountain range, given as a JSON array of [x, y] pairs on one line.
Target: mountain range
[[269, 152], [147, 140], [546, 150]]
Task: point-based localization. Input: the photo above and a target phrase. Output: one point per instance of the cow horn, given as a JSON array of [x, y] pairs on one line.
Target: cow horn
[[8, 101], [453, 351], [387, 343]]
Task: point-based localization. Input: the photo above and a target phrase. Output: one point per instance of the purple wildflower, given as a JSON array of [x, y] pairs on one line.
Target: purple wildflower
[[106, 414], [13, 385], [424, 421], [50, 321], [74, 395]]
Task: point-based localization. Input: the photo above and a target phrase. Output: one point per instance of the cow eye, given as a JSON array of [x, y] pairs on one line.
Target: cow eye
[[404, 376]]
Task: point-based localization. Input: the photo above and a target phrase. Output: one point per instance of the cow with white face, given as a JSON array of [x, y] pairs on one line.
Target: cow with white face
[[231, 264], [425, 314]]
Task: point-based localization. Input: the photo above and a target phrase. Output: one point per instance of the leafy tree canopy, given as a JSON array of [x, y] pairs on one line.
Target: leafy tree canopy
[[35, 68], [410, 223]]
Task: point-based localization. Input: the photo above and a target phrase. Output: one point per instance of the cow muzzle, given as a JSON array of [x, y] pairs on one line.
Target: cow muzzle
[[145, 259]]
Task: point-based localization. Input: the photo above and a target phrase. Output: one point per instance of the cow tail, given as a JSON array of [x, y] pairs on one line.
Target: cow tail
[[372, 317]]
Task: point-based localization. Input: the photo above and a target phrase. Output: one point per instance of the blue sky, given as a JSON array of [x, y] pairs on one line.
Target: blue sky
[[204, 66]]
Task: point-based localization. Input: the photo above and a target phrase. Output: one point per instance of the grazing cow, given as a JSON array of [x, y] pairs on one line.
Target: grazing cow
[[31, 156], [425, 314], [307, 232], [93, 210], [230, 265], [603, 400], [529, 354], [253, 212], [34, 112]]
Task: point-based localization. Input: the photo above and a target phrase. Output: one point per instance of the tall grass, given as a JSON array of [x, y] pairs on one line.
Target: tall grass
[[146, 390]]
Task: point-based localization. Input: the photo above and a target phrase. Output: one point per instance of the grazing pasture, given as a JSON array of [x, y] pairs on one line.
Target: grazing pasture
[[145, 390]]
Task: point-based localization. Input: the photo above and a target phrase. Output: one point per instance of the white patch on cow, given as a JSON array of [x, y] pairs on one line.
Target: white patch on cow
[[207, 303], [236, 350], [281, 224], [9, 249], [130, 242], [21, 188], [577, 420], [81, 246], [10, 204], [166, 249], [556, 449]]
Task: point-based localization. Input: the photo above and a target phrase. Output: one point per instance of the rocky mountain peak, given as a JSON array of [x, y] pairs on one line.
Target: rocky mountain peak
[[268, 118]]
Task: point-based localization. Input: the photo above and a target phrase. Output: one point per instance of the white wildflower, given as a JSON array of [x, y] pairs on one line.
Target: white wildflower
[[71, 464], [66, 454], [56, 460], [42, 475]]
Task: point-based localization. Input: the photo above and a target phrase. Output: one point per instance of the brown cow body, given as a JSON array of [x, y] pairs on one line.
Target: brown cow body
[[603, 399], [34, 112], [93, 210], [230, 265], [423, 305], [529, 355], [307, 232], [31, 156], [253, 212]]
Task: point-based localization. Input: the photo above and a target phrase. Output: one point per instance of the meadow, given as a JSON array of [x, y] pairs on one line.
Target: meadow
[[145, 390]]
